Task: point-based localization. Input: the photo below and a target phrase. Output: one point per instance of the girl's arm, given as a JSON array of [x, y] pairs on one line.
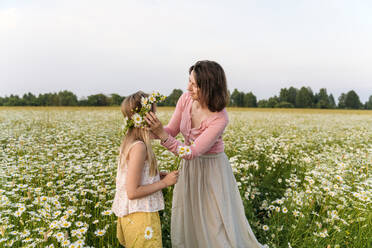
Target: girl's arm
[[135, 165]]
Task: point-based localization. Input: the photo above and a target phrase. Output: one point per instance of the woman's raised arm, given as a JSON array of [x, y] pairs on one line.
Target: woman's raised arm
[[204, 142]]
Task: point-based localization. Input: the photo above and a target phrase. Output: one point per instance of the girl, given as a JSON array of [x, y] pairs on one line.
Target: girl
[[138, 196]]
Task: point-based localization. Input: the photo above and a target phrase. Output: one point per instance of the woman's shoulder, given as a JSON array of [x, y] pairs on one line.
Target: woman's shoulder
[[185, 98], [218, 118]]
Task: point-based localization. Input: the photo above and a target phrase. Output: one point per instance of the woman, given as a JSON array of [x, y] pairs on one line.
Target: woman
[[207, 210]]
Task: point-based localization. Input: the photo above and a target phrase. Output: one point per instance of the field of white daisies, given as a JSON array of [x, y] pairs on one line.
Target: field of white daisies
[[304, 176]]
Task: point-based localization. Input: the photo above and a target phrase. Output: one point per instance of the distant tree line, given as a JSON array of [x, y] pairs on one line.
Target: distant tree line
[[300, 98], [288, 98]]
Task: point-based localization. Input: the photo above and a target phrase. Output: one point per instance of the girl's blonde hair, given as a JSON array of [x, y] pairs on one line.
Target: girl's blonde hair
[[128, 107]]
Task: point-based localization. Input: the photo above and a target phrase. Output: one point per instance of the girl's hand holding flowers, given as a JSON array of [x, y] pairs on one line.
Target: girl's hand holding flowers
[[171, 178], [163, 174]]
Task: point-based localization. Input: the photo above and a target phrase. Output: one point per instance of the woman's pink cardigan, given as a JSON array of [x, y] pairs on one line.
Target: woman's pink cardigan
[[206, 139]]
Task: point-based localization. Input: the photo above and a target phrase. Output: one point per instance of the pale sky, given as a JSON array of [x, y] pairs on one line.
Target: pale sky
[[91, 47]]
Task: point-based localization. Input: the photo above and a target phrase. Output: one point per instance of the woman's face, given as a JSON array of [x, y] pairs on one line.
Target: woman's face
[[192, 87]]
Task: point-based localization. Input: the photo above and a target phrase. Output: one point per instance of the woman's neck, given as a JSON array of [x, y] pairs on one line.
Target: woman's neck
[[201, 107]]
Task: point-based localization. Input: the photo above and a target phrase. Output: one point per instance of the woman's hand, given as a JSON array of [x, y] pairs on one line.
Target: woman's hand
[[155, 126]]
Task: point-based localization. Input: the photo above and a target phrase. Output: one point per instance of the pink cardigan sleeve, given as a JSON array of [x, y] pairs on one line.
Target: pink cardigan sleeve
[[204, 141], [173, 127]]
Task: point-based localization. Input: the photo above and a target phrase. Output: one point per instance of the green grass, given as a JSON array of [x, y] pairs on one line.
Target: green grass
[[314, 164]]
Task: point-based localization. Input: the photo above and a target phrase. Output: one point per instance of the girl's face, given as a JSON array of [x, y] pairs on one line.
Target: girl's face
[[192, 87]]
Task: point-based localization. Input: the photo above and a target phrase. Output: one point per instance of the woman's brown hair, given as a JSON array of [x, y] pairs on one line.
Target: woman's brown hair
[[128, 108], [211, 80]]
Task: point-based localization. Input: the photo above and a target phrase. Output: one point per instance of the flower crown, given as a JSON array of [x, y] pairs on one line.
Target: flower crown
[[137, 119]]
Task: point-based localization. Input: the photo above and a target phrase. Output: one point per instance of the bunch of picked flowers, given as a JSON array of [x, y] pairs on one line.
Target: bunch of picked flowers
[[182, 152]]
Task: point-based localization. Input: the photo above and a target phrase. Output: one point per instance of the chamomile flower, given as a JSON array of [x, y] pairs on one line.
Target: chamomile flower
[[107, 212], [137, 118], [82, 230], [152, 99], [65, 243], [65, 224], [148, 233], [183, 151], [59, 236], [100, 232], [144, 101], [17, 213], [79, 223]]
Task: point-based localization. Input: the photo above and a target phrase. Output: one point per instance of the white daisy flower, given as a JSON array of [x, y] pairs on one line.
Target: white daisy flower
[[80, 242], [59, 236], [74, 232], [70, 211], [65, 243], [100, 232], [82, 230], [79, 223], [187, 150], [73, 245], [296, 213], [17, 213], [26, 240], [107, 212], [65, 224], [54, 224], [265, 227], [144, 101], [137, 118], [152, 99], [148, 233]]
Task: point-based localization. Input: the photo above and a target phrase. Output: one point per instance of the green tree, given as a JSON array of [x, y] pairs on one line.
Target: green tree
[[304, 98], [284, 95], [292, 93], [116, 99], [272, 102], [322, 99], [352, 100], [237, 98], [341, 101], [29, 99], [331, 100], [284, 105], [263, 103], [369, 103], [172, 99], [67, 98], [98, 100], [250, 100], [13, 100]]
